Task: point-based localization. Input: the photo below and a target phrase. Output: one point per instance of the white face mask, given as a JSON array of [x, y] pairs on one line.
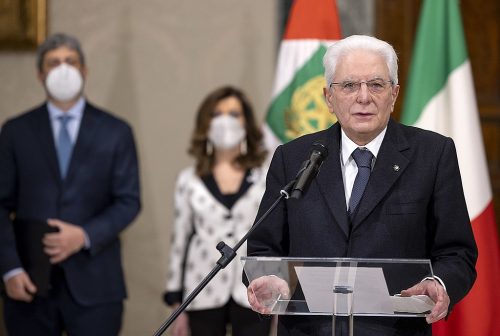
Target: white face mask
[[64, 82], [226, 132]]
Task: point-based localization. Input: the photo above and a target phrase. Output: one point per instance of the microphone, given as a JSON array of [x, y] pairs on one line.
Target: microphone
[[309, 170]]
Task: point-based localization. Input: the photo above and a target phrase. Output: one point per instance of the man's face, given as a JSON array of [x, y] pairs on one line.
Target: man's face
[[363, 114], [56, 57]]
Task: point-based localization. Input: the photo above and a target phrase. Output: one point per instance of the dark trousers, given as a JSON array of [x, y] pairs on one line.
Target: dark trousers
[[58, 312], [213, 322]]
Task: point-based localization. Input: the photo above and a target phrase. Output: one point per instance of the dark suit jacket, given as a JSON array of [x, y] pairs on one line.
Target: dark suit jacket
[[418, 211], [100, 193]]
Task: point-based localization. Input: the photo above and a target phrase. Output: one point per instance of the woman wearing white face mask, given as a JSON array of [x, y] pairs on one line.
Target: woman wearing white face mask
[[216, 200]]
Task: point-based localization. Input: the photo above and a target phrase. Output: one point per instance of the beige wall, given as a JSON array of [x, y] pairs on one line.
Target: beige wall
[[151, 62]]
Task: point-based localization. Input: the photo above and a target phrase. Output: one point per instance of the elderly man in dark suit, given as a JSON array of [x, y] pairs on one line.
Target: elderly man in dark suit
[[70, 170], [412, 205]]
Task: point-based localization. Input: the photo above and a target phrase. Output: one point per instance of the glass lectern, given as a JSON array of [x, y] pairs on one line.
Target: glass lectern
[[339, 286]]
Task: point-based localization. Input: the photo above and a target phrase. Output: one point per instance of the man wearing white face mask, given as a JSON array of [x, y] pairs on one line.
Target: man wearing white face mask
[[69, 184]]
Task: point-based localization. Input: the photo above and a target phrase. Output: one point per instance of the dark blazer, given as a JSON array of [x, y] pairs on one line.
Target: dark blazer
[[100, 193], [416, 211]]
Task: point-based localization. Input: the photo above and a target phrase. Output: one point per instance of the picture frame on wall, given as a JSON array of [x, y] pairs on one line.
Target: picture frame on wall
[[23, 24]]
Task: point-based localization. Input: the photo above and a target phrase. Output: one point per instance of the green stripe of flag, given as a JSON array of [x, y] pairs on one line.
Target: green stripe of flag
[[282, 107], [439, 49]]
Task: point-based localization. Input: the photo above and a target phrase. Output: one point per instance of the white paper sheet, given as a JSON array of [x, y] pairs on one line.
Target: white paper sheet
[[412, 304], [370, 291]]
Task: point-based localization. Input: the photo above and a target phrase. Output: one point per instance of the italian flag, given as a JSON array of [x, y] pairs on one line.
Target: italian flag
[[440, 97], [298, 106]]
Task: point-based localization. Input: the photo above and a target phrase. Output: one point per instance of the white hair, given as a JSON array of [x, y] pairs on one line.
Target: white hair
[[360, 42]]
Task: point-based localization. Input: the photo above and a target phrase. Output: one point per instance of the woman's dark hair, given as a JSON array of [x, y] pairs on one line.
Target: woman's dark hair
[[256, 152]]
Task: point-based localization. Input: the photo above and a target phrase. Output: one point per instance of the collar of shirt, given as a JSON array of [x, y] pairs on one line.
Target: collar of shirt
[[348, 146], [76, 113]]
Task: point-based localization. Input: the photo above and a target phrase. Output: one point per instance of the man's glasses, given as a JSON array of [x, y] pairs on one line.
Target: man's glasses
[[374, 86]]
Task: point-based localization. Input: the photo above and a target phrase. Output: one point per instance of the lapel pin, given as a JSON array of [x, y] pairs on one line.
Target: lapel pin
[[395, 167]]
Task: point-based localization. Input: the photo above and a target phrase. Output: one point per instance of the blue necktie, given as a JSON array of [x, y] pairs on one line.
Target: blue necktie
[[64, 146], [363, 159]]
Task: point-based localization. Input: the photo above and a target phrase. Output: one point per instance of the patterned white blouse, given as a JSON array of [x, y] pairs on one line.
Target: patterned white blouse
[[201, 221]]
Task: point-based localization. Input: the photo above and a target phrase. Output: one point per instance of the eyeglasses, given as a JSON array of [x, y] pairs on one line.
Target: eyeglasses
[[374, 86]]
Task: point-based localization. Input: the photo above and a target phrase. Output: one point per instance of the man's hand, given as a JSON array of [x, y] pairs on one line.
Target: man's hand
[[436, 292], [19, 287], [263, 293], [61, 245]]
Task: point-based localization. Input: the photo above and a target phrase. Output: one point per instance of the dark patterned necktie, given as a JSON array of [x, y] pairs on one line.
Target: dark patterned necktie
[[363, 158], [64, 146]]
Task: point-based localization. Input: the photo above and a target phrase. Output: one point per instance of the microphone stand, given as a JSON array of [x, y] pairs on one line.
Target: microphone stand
[[228, 255]]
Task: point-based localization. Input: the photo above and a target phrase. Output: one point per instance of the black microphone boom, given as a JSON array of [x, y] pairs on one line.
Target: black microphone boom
[[318, 154]]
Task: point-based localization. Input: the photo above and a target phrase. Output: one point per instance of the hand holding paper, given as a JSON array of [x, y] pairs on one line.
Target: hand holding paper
[[437, 293]]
